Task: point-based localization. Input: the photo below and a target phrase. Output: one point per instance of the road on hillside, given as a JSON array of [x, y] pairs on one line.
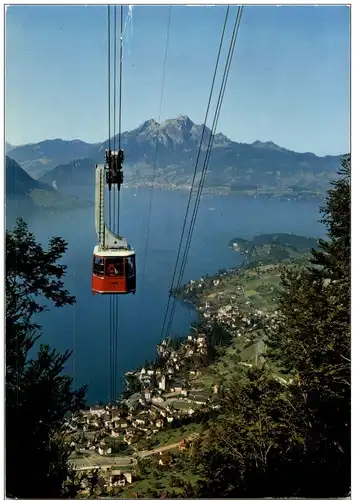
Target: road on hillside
[[147, 453], [94, 461]]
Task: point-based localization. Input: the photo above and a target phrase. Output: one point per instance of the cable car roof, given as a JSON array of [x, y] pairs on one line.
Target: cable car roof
[[113, 252]]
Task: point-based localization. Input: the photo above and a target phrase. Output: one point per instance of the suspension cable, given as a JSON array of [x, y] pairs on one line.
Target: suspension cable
[[117, 193], [195, 170], [109, 73], [120, 111], [121, 64], [214, 127], [109, 211], [109, 95], [208, 154], [114, 101], [156, 148], [113, 302]]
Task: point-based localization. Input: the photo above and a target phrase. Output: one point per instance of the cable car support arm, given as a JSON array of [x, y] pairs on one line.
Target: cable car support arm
[[107, 239]]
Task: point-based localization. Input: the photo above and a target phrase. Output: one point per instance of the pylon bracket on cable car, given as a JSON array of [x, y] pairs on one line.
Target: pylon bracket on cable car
[[114, 262], [114, 161]]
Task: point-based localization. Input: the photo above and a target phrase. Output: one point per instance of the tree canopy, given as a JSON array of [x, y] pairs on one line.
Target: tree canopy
[[293, 438], [38, 395]]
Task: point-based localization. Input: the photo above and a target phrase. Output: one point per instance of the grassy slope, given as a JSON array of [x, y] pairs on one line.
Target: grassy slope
[[55, 200], [253, 289], [170, 436], [160, 479], [261, 287], [258, 289]]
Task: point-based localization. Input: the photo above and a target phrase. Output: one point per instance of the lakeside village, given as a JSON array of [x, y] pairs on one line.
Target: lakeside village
[[166, 395], [160, 397]]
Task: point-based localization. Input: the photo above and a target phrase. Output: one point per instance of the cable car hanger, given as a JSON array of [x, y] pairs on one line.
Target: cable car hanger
[[114, 161], [114, 263], [114, 266]]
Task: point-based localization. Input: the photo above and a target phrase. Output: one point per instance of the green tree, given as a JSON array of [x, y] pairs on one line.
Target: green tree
[[93, 479], [278, 438], [72, 485], [334, 254], [141, 467], [172, 480], [313, 343], [38, 395], [133, 385], [243, 453], [189, 490], [155, 474]]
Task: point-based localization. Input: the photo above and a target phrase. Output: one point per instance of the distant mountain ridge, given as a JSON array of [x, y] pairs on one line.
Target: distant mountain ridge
[[18, 183], [41, 157], [8, 147], [21, 187], [75, 173], [260, 168]]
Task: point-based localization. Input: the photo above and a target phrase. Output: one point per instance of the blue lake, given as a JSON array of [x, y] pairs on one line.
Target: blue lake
[[84, 327]]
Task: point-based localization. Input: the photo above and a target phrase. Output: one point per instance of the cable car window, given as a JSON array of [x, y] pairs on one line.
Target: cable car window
[[98, 266], [115, 266], [130, 266]]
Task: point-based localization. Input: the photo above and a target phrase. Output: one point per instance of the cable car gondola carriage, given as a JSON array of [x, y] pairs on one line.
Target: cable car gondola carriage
[[114, 271], [114, 263]]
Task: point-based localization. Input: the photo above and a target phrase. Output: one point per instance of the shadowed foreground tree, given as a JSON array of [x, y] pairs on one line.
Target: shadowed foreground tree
[[293, 439], [314, 344], [38, 395], [252, 441]]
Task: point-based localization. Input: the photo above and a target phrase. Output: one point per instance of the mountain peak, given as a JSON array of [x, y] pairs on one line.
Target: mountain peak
[[19, 182], [182, 122], [171, 149], [184, 119], [149, 123], [147, 128], [266, 145]]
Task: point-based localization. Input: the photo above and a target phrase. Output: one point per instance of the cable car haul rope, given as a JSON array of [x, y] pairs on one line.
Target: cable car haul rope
[[166, 332], [114, 262], [114, 266]]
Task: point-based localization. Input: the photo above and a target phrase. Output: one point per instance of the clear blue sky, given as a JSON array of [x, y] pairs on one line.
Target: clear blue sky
[[289, 81]]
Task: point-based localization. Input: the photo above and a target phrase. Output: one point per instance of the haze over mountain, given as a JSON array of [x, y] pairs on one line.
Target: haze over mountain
[[41, 157], [75, 173], [8, 147], [22, 188], [261, 168], [18, 183]]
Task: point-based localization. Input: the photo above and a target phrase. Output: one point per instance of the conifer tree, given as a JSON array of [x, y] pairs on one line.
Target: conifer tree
[[294, 439], [314, 344]]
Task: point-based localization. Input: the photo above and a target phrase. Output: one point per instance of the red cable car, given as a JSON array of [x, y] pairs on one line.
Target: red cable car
[[114, 261], [114, 271]]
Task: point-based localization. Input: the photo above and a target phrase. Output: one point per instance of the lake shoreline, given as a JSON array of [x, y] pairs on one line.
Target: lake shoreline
[[225, 191], [84, 327]]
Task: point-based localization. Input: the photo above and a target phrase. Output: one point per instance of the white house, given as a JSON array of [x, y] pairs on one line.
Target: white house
[[162, 383]]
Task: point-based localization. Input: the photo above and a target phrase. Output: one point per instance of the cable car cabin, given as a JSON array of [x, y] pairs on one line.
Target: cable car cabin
[[114, 271]]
